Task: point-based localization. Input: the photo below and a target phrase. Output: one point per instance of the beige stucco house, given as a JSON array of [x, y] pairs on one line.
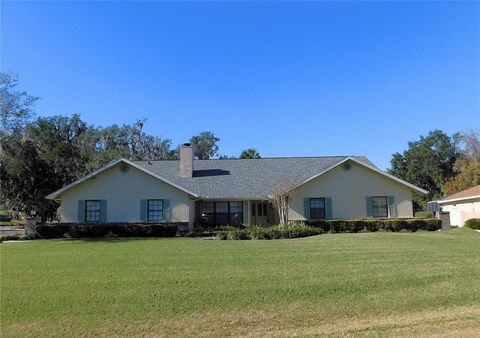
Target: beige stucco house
[[462, 206], [234, 191]]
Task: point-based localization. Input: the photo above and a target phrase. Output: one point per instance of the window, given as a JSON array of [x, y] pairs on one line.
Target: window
[[254, 206], [92, 211], [222, 213], [236, 213], [317, 208], [155, 210], [380, 206], [208, 213]]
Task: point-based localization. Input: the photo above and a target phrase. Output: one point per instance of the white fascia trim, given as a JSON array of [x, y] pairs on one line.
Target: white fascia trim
[[411, 186], [55, 194], [458, 199]]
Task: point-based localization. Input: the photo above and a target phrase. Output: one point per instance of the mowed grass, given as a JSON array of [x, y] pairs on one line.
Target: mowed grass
[[372, 284]]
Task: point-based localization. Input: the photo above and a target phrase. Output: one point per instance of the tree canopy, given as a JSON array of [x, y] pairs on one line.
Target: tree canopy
[[204, 145], [250, 153], [16, 107], [39, 156], [468, 178], [427, 163]]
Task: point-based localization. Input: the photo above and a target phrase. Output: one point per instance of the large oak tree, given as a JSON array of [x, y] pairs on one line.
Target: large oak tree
[[427, 163]]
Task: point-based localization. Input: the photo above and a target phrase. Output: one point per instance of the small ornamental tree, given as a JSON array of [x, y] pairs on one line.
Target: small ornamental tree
[[282, 192]]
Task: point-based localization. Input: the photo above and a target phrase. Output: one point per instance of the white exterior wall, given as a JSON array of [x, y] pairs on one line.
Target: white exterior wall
[[123, 192], [460, 211], [349, 189]]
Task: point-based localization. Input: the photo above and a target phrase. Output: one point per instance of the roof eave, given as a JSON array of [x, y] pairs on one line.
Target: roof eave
[[458, 199]]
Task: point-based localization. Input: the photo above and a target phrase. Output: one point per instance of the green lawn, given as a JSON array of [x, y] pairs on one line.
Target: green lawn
[[368, 284]]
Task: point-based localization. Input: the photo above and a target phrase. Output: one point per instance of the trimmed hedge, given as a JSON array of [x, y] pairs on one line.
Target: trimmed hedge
[[5, 218], [394, 225], [275, 232], [473, 223], [17, 237], [424, 214], [106, 230]]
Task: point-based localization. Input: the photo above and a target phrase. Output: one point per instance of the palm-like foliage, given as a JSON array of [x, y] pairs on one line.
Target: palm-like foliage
[[250, 153]]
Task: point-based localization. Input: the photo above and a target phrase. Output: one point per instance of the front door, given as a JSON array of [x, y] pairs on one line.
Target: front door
[[262, 214]]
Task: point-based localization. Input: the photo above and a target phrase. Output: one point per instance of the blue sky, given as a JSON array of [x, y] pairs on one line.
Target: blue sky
[[290, 79]]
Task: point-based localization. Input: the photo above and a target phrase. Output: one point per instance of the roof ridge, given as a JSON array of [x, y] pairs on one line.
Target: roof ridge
[[262, 158]]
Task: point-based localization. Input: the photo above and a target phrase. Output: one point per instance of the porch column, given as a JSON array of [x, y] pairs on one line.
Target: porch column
[[246, 212], [192, 205]]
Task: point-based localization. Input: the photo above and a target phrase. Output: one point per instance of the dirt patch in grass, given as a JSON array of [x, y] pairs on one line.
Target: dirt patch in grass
[[295, 321]]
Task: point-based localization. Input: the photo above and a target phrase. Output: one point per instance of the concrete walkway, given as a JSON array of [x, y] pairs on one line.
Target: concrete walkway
[[10, 231]]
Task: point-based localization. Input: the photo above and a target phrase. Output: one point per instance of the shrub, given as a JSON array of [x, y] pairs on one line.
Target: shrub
[[372, 226], [16, 237], [414, 225], [10, 238], [292, 230], [54, 230], [106, 230], [473, 223], [238, 234], [424, 214], [5, 218], [394, 225]]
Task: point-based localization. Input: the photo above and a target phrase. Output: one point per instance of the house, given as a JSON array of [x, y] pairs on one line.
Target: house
[[462, 205], [234, 191]]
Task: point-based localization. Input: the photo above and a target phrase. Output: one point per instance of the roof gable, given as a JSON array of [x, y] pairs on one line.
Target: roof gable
[[57, 193], [372, 168]]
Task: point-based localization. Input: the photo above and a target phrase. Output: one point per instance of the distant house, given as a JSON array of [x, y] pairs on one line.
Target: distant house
[[462, 206], [234, 191]]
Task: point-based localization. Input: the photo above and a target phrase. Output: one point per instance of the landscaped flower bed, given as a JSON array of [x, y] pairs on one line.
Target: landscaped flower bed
[[297, 229], [275, 232]]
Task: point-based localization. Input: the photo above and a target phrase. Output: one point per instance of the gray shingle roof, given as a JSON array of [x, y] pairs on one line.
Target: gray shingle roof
[[244, 178]]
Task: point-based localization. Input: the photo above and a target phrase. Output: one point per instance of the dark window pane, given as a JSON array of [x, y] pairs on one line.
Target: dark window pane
[[254, 207], [207, 219], [222, 213], [317, 208], [221, 207], [380, 206], [208, 207], [236, 207], [236, 219], [265, 209], [259, 210], [155, 211], [92, 211], [222, 218]]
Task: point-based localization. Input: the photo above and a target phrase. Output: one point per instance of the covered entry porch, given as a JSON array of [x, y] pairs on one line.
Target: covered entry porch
[[210, 213]]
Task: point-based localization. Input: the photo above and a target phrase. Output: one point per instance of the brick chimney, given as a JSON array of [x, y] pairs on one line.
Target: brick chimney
[[186, 161]]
